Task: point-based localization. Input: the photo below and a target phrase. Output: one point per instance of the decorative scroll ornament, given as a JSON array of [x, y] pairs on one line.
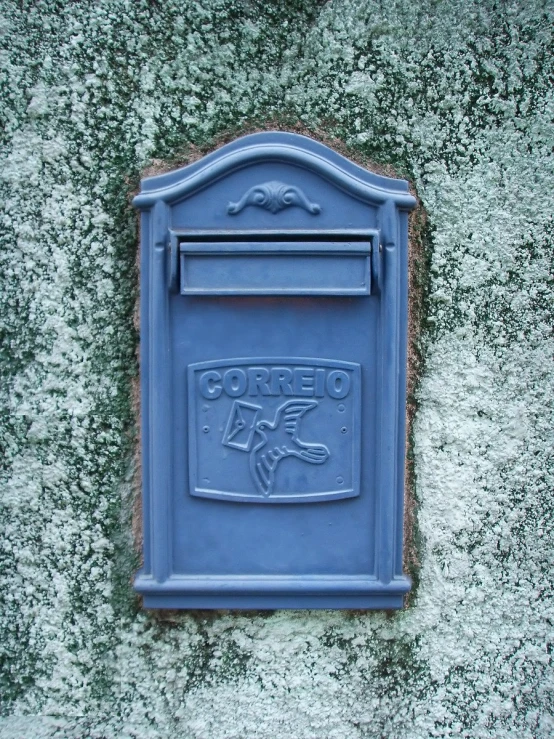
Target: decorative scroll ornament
[[274, 196]]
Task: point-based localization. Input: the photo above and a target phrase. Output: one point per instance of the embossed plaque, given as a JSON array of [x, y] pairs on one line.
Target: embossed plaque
[[273, 352], [274, 430]]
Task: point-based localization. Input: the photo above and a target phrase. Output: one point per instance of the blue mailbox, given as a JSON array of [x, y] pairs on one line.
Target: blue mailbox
[[273, 353]]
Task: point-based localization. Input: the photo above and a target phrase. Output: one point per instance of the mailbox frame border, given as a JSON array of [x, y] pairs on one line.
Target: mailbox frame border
[[160, 587]]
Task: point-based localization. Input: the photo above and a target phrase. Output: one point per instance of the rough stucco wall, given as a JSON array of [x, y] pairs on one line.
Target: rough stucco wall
[[458, 96]]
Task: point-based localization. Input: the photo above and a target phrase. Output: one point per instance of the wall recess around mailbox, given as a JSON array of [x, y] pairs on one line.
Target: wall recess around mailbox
[[273, 353]]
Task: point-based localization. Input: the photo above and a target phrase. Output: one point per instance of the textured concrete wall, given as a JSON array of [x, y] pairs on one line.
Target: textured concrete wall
[[457, 95]]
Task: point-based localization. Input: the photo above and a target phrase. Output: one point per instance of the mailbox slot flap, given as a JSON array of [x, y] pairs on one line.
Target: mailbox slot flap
[[299, 263]]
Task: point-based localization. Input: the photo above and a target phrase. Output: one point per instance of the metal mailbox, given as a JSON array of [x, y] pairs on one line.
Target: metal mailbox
[[273, 353]]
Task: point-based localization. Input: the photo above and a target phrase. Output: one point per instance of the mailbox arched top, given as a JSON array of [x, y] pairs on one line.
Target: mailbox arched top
[[275, 146]]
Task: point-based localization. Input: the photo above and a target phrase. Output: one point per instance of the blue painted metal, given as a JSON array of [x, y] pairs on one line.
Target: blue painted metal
[[276, 268], [262, 403], [273, 352]]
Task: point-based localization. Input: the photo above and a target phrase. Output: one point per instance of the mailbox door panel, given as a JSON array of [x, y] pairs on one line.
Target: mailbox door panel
[[266, 529]]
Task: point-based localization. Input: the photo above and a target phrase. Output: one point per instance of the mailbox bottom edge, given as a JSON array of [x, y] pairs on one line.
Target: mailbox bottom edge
[[272, 602], [362, 593]]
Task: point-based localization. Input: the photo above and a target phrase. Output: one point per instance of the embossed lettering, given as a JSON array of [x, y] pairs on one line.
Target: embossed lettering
[[281, 381], [234, 382], [338, 384], [257, 381], [307, 382], [319, 383], [208, 386], [303, 382]]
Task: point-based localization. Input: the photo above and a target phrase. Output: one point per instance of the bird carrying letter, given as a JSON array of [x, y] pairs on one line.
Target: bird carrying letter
[[277, 440]]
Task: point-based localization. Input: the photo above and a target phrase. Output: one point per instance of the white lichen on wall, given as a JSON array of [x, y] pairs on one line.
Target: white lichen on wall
[[458, 96]]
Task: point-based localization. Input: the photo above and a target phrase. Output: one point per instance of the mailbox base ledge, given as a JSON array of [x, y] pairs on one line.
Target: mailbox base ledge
[[179, 593], [272, 602]]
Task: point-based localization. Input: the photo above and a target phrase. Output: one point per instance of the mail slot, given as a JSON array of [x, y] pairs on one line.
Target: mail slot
[[273, 353], [289, 264]]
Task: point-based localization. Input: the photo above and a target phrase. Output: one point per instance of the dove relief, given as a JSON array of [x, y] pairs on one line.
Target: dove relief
[[272, 440]]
